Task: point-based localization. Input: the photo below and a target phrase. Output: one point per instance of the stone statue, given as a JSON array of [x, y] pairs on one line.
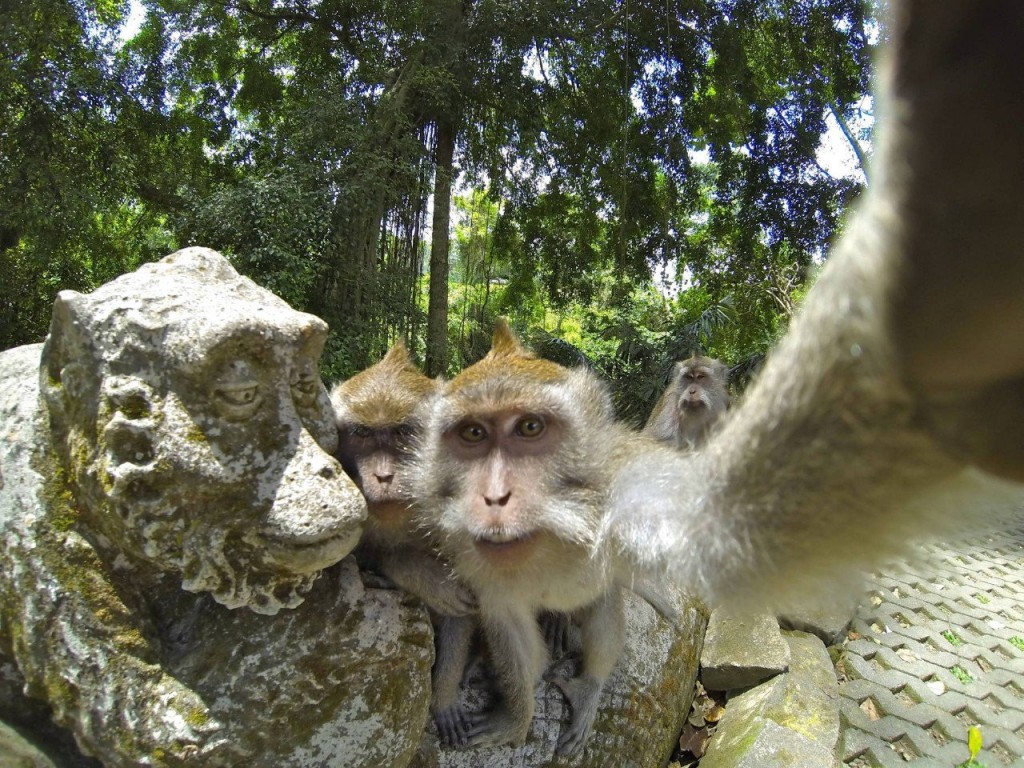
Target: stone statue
[[174, 586], [173, 463]]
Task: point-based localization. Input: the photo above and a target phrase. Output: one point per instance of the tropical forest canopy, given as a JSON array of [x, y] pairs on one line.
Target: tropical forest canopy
[[628, 181]]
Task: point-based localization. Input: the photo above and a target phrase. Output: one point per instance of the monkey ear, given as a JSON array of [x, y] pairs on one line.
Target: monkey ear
[[398, 355], [505, 343]]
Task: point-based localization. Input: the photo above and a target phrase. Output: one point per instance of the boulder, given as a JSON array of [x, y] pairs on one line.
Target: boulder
[[643, 705], [174, 587]]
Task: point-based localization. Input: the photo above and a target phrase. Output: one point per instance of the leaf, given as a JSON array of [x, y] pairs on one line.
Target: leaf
[[974, 741]]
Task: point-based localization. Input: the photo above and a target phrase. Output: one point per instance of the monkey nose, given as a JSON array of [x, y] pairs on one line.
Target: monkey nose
[[501, 502], [384, 479]]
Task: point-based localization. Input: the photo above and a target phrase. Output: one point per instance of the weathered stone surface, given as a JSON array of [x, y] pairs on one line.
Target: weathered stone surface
[[791, 721], [164, 460], [643, 707], [828, 625], [741, 650]]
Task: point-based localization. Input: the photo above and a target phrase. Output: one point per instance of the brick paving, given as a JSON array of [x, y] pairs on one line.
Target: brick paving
[[938, 646]]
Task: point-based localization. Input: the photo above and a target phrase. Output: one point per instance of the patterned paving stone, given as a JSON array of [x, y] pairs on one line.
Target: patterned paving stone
[[937, 646]]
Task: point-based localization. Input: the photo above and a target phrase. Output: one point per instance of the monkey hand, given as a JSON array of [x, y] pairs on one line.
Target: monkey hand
[[583, 694], [451, 598], [555, 628], [497, 729], [453, 726], [431, 581]]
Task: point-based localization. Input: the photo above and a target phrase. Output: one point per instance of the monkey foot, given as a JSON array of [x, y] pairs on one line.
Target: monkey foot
[[453, 726], [583, 694]]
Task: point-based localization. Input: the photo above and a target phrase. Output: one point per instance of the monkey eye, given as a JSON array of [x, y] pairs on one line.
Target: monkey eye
[[530, 426], [362, 431], [472, 433]]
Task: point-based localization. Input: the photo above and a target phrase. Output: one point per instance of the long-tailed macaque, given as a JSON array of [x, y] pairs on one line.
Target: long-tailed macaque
[[904, 368], [376, 412], [906, 363], [696, 397], [514, 474]]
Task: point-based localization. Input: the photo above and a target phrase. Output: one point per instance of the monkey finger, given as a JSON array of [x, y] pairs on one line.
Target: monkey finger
[[497, 729], [453, 726]]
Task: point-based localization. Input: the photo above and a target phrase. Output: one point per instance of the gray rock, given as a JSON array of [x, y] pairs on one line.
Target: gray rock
[[741, 650], [828, 625], [165, 459], [643, 706], [791, 721]]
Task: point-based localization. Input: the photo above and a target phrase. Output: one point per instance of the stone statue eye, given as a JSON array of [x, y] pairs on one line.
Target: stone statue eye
[[530, 426], [472, 433], [237, 394], [240, 395], [304, 387], [237, 401]]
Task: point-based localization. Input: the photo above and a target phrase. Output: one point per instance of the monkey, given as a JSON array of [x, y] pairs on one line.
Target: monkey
[[900, 381], [513, 475], [897, 395], [696, 398], [377, 417]]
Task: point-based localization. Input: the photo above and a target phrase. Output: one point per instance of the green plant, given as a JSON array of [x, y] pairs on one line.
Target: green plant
[[961, 674], [974, 744], [952, 638]]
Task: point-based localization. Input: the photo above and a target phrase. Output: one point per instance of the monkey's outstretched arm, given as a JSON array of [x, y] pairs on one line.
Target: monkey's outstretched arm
[[868, 403], [429, 578]]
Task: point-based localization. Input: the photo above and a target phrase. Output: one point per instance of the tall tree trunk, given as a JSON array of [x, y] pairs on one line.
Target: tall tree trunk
[[437, 309]]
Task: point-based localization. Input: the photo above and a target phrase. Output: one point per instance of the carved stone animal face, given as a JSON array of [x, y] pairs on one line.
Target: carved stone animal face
[[187, 407]]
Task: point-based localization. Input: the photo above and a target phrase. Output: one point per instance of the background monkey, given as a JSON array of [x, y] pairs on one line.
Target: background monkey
[[854, 438], [514, 474], [696, 398], [376, 412]]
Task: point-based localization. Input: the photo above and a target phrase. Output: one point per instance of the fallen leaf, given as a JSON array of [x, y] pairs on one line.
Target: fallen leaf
[[715, 714]]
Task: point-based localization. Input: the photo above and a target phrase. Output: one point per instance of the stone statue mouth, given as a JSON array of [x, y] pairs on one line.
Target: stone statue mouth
[[305, 554]]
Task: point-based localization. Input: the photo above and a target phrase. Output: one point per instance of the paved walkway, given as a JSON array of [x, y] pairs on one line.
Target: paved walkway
[[940, 648]]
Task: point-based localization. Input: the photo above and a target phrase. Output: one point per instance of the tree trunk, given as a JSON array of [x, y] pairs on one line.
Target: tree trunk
[[437, 309]]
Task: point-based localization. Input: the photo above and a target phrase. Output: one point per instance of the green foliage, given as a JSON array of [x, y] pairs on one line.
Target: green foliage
[[961, 674], [596, 143], [952, 638]]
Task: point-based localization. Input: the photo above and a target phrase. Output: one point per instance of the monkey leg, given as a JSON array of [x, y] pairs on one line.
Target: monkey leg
[[603, 627], [518, 655], [454, 637]]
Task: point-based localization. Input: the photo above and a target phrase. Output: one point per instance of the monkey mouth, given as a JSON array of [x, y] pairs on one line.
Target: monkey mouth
[[692, 405], [505, 548]]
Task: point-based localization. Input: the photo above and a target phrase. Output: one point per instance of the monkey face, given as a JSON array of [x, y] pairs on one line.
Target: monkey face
[[375, 457], [502, 455]]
